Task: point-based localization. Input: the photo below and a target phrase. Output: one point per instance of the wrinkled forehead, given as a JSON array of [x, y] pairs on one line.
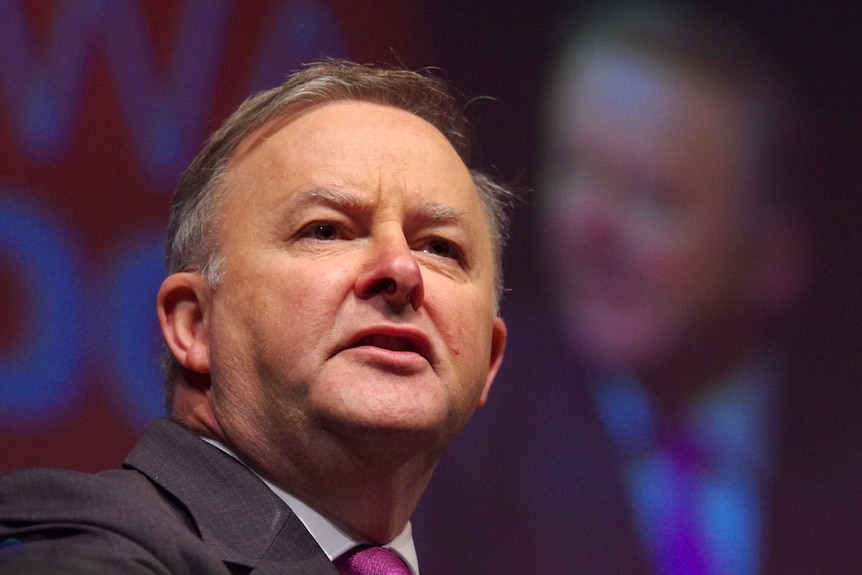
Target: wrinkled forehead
[[355, 147]]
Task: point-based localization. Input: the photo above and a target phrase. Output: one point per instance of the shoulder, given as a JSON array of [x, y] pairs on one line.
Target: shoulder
[[115, 521], [60, 482], [59, 494]]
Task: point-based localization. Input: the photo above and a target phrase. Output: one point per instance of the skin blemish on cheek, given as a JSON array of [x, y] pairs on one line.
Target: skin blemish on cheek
[[456, 350]]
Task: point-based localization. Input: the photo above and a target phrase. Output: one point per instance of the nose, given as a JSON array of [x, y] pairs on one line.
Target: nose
[[592, 219], [392, 273]]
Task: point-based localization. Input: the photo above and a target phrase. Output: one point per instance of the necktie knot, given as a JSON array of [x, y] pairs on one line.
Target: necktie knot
[[369, 560]]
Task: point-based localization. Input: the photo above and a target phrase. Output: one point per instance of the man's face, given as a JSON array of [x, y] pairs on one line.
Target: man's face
[[647, 223], [357, 290]]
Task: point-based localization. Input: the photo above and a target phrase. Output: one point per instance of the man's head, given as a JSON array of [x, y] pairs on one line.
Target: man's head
[[663, 193], [190, 244], [334, 272]]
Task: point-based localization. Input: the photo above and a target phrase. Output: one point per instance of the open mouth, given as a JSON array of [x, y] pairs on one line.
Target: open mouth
[[393, 339], [388, 342]]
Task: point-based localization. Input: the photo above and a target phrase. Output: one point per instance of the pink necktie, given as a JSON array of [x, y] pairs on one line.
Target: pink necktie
[[366, 560]]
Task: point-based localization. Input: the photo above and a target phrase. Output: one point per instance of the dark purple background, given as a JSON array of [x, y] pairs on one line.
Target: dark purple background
[[90, 149]]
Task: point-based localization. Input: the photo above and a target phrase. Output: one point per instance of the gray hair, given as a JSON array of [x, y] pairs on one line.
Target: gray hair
[[191, 244]]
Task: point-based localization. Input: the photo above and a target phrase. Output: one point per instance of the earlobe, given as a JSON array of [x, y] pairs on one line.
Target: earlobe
[[182, 304], [498, 346]]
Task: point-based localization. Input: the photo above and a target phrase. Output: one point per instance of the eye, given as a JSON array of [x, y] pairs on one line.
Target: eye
[[322, 231], [443, 248]]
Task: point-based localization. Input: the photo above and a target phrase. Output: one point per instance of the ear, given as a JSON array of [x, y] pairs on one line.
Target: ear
[[498, 346], [182, 305], [783, 267]]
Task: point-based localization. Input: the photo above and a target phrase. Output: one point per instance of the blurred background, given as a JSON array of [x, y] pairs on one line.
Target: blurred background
[[102, 104]]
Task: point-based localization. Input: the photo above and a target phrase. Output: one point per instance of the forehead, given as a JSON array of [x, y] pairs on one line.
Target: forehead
[[383, 154], [613, 97]]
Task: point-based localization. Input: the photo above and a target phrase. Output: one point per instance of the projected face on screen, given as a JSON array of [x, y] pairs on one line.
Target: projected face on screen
[[648, 219]]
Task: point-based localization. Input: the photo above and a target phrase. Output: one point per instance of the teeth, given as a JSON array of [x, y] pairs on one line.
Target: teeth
[[391, 343]]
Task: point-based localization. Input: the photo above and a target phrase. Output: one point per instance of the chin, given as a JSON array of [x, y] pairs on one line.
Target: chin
[[405, 411], [391, 441], [408, 420]]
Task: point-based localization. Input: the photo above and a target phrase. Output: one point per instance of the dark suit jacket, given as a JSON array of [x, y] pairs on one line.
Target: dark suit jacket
[[533, 485], [178, 506]]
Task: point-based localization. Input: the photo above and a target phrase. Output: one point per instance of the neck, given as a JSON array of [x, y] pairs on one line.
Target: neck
[[368, 480], [370, 490], [376, 508]]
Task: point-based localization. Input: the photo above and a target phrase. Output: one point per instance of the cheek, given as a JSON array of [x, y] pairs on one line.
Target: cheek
[[670, 256], [464, 325], [259, 316], [689, 274], [451, 331], [662, 265], [457, 348]]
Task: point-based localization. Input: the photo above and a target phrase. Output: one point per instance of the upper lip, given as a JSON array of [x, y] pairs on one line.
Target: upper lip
[[396, 338]]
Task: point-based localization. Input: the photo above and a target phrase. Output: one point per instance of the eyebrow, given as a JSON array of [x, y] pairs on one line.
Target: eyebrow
[[330, 198], [429, 214]]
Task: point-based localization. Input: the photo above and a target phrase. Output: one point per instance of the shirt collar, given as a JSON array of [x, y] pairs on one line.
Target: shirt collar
[[736, 420], [333, 539]]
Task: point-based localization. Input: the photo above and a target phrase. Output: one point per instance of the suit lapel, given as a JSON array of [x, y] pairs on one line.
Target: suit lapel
[[294, 552], [237, 516]]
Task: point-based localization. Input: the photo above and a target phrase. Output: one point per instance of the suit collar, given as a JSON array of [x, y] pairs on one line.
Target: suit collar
[[234, 512]]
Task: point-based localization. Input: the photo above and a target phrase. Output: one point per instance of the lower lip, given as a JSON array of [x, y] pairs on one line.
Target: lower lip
[[389, 359]]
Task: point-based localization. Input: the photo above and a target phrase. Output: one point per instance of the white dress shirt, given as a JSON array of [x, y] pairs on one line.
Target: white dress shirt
[[735, 423], [334, 540]]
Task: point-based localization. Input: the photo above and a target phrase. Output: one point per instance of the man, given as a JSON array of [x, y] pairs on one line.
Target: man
[[331, 319], [659, 435], [666, 189]]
